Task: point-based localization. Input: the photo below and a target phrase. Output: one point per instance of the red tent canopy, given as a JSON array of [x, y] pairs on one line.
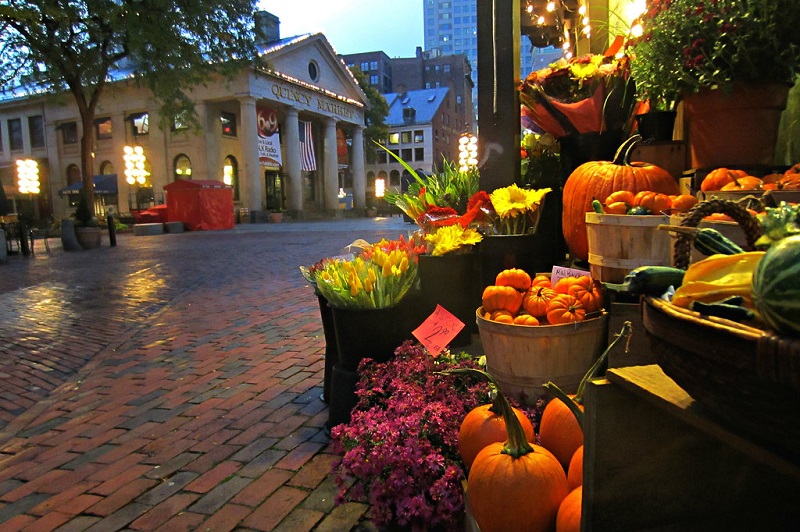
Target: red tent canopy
[[200, 205]]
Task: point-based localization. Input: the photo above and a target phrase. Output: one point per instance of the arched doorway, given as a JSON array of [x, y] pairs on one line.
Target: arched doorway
[[181, 167], [230, 175]]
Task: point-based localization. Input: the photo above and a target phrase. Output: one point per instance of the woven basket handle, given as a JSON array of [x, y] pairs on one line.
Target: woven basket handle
[[750, 226]]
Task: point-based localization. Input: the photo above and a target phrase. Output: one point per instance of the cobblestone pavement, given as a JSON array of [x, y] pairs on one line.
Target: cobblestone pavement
[[171, 382]]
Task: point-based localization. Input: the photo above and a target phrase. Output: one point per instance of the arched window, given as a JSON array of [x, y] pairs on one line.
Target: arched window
[[107, 168], [73, 174], [230, 175], [182, 167], [394, 178]]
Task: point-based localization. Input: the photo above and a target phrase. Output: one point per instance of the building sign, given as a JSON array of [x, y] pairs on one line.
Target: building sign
[[297, 96], [269, 139]]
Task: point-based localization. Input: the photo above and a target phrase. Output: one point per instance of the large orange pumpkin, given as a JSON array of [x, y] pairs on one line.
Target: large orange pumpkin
[[559, 431], [569, 513], [484, 425], [597, 180]]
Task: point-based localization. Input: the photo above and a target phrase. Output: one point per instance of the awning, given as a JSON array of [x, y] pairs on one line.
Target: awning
[[103, 185]]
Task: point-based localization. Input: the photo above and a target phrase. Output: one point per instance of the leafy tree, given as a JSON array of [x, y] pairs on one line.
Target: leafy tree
[[376, 129], [165, 45]]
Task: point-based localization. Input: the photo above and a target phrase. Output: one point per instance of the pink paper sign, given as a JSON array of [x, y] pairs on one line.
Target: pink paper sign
[[438, 330]]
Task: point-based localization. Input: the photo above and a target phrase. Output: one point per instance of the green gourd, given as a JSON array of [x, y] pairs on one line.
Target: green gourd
[[776, 286]]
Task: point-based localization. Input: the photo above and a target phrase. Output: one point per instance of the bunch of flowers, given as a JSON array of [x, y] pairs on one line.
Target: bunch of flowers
[[400, 449], [511, 210], [588, 94], [453, 238], [689, 44], [377, 277], [539, 159]]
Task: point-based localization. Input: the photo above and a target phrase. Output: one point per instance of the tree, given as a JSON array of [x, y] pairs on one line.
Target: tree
[[376, 129], [165, 45]]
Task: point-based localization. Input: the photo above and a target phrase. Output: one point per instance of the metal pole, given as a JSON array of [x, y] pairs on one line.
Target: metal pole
[[112, 231]]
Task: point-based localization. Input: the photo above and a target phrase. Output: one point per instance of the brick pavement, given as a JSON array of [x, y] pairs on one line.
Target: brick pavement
[[170, 383]]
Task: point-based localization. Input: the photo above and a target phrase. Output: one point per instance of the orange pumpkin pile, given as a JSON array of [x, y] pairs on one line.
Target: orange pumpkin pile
[[726, 179], [626, 202], [517, 299]]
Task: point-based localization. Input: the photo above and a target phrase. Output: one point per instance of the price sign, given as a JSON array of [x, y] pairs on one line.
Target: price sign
[[438, 330], [559, 272]]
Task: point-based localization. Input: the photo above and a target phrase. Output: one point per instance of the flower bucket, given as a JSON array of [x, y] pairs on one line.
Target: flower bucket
[[737, 127], [451, 281], [522, 358], [619, 243]]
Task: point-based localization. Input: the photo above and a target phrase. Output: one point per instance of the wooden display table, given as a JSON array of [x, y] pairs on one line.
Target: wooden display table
[[654, 461]]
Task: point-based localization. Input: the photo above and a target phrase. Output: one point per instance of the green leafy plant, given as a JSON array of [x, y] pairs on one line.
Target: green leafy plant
[[83, 216]]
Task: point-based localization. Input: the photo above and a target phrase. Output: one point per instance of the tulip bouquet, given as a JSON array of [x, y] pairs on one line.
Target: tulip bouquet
[[377, 277]]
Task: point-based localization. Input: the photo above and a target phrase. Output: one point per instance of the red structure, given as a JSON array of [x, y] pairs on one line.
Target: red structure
[[200, 205]]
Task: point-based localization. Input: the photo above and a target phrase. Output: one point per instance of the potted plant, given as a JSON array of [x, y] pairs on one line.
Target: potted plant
[[87, 228], [718, 55], [275, 216]]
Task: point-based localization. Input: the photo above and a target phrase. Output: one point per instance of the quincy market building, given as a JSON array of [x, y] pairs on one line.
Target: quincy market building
[[286, 135]]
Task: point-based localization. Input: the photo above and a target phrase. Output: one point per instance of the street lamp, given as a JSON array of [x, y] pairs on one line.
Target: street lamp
[[28, 183], [135, 173], [467, 152]]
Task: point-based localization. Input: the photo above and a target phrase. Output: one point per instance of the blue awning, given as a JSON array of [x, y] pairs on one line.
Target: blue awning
[[103, 185]]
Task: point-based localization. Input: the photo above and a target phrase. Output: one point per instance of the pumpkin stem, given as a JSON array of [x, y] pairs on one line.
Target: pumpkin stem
[[517, 444], [625, 332], [623, 155], [559, 395]]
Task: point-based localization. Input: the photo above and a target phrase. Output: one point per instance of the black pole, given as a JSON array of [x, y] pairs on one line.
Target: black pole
[[24, 244], [112, 230]]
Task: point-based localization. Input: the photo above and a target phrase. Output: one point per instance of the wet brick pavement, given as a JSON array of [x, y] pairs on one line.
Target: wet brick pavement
[[170, 383]]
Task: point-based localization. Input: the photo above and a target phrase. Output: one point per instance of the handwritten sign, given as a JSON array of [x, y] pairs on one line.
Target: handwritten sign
[[559, 272], [438, 330]]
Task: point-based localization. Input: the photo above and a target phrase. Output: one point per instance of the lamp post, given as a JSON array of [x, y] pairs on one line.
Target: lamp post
[[28, 183], [135, 173], [467, 152]]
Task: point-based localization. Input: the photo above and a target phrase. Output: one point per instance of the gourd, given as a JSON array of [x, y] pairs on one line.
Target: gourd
[[525, 319], [565, 308], [484, 425], [776, 286], [501, 298], [707, 240], [597, 180], [536, 299], [514, 277], [588, 292]]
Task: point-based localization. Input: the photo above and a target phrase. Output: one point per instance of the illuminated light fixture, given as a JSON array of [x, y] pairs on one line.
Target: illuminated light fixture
[[227, 174], [342, 193], [551, 6], [28, 176], [135, 173], [467, 152], [380, 187]]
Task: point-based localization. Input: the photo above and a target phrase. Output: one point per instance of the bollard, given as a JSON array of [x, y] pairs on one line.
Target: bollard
[[112, 231], [24, 243]]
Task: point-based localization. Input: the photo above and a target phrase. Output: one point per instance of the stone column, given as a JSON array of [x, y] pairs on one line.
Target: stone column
[[330, 174], [253, 189], [357, 167], [292, 167]]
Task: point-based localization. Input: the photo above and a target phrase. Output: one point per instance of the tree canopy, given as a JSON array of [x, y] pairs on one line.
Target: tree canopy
[[165, 45], [375, 117]]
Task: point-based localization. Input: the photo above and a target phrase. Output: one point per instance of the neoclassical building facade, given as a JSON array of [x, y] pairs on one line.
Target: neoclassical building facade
[[286, 134]]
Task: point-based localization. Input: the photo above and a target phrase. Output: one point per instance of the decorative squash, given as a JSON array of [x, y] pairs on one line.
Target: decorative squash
[[516, 485], [748, 182], [501, 316], [536, 300], [618, 207], [575, 469], [655, 202], [776, 291], [598, 179], [683, 202], [625, 196], [525, 319], [515, 277], [588, 291], [565, 308], [719, 177], [501, 298], [568, 518], [484, 425]]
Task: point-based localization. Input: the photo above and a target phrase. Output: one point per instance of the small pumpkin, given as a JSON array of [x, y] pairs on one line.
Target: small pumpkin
[[525, 319], [501, 298], [568, 518], [598, 179], [719, 177], [624, 196], [618, 207], [588, 291], [541, 280], [514, 277], [655, 202], [565, 308], [536, 300], [683, 202], [501, 316], [747, 182]]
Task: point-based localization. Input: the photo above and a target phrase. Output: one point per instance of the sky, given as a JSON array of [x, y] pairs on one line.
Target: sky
[[353, 26]]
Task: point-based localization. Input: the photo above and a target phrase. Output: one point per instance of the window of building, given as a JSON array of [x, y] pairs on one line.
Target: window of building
[[228, 124], [230, 175], [15, 134], [313, 70], [446, 69], [405, 137], [394, 138], [364, 66], [182, 167], [419, 154], [36, 131], [374, 79], [381, 156], [73, 174], [107, 168], [181, 121], [69, 133], [406, 154], [444, 16], [102, 128], [396, 152], [419, 136], [140, 124], [373, 65]]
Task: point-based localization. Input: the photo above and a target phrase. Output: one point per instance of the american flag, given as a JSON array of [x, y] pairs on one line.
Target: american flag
[[309, 161]]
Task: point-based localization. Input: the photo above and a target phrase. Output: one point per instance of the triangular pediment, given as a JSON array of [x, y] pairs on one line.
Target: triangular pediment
[[304, 56]]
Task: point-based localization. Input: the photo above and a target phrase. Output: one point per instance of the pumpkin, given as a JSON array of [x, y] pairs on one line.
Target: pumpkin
[[516, 485], [536, 300], [563, 284], [618, 207], [748, 182], [568, 518], [501, 316], [575, 469], [541, 280], [719, 177], [501, 298], [776, 291], [525, 319], [484, 425], [683, 202], [598, 179], [515, 277], [565, 308], [588, 292], [655, 202], [624, 196]]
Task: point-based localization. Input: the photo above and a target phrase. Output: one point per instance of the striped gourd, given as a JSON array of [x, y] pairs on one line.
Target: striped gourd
[[776, 286]]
